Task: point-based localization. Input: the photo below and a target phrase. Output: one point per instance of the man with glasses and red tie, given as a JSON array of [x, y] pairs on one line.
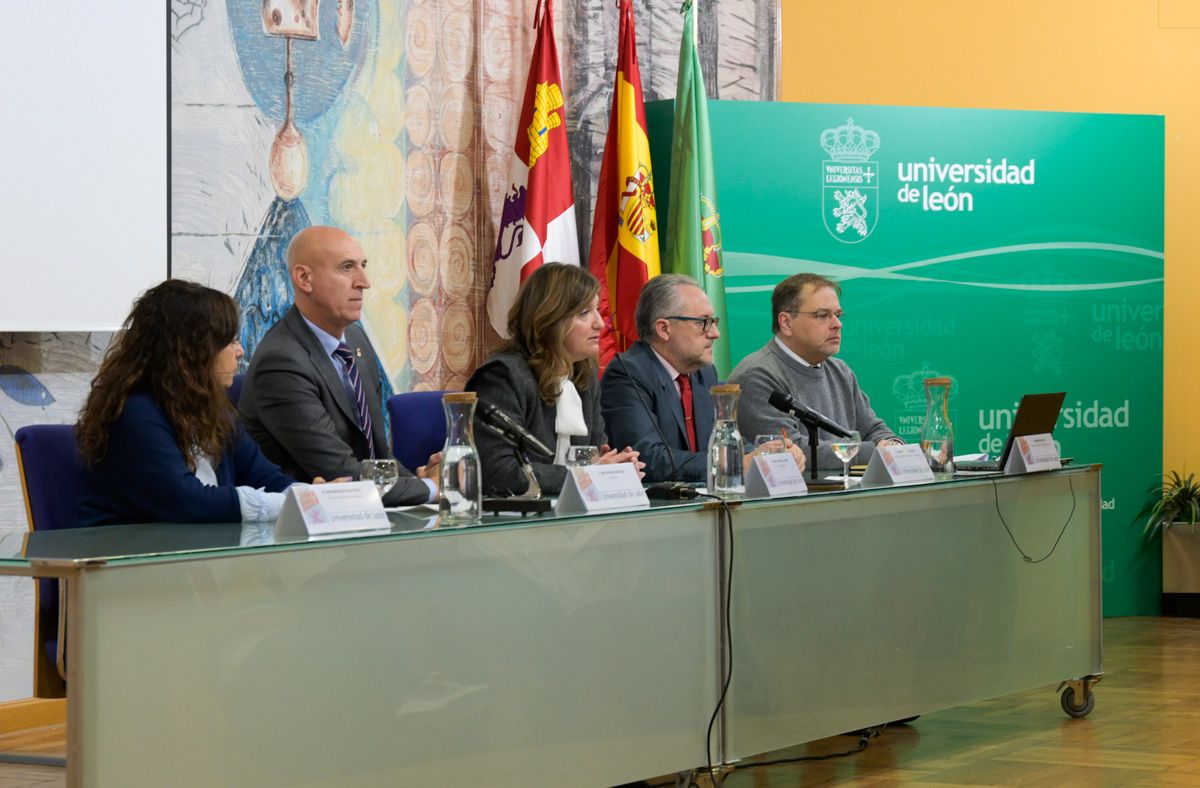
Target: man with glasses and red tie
[[799, 361], [654, 396], [311, 397]]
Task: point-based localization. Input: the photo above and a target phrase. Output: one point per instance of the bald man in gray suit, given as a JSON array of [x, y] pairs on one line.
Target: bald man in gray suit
[[299, 400]]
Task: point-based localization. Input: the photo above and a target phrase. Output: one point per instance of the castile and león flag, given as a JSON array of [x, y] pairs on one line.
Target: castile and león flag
[[537, 221]]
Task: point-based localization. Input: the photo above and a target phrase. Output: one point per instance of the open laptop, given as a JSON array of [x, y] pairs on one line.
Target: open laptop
[[1036, 415]]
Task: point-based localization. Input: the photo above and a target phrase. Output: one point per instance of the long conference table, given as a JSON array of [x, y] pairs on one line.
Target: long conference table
[[561, 651]]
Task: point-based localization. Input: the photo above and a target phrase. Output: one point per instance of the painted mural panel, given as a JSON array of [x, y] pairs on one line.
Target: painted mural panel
[[43, 380]]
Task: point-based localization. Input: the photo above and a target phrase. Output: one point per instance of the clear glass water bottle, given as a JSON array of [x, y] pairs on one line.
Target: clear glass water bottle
[[726, 478], [460, 500], [937, 433]]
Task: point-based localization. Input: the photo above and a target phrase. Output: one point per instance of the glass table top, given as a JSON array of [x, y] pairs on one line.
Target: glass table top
[[172, 541]]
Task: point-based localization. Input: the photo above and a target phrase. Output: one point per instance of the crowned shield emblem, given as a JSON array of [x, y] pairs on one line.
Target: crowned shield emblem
[[636, 211], [850, 182]]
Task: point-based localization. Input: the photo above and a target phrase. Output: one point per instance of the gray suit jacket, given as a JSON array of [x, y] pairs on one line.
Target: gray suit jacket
[[506, 381], [636, 395], [298, 411]]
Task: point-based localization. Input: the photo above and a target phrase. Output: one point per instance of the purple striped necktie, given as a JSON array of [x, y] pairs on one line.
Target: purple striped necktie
[[346, 355]]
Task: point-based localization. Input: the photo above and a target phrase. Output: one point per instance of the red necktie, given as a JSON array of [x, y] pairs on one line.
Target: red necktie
[[689, 419]]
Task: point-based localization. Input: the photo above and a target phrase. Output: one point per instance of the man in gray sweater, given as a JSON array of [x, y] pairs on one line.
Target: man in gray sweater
[[798, 360]]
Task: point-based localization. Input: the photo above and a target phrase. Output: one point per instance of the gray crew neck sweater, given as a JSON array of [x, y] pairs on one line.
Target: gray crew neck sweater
[[830, 389]]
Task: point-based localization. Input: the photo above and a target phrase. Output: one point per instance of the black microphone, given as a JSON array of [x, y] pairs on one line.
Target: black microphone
[[511, 430], [785, 403], [663, 491]]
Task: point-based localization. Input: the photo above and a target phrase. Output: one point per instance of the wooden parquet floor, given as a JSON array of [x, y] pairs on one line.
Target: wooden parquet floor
[[33, 729], [1145, 731]]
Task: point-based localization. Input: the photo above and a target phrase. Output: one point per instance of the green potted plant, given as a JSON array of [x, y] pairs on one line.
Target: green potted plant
[[1175, 503]]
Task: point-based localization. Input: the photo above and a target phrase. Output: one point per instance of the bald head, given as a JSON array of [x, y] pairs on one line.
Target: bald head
[[329, 274], [315, 244]]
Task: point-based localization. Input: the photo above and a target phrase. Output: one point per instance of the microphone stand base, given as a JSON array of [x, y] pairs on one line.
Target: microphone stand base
[[812, 452], [534, 490], [531, 502], [671, 491]]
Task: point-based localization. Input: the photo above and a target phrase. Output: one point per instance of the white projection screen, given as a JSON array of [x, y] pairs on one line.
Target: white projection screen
[[83, 162]]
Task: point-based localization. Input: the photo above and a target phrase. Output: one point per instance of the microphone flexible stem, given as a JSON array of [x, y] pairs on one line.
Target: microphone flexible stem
[[510, 429], [812, 419]]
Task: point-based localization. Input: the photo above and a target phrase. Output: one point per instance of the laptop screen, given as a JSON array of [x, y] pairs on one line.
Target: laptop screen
[[1036, 415]]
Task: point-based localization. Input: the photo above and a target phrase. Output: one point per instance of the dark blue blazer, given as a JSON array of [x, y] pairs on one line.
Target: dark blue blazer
[[144, 478], [636, 393], [506, 381]]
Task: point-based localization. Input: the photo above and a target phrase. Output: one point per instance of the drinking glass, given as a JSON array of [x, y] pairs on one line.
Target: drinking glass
[[383, 473], [768, 444], [846, 449], [582, 455]]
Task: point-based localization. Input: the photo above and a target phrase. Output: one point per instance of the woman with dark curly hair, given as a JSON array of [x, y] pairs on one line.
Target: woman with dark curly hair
[[545, 376], [158, 434]]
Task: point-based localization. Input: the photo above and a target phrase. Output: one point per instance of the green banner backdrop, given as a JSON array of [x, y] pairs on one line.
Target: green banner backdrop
[[1012, 251]]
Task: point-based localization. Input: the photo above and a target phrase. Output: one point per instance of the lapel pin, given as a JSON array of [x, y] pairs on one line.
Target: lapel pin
[[358, 352]]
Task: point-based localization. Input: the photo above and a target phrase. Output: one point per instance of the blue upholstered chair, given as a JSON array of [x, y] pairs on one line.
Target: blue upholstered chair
[[418, 426], [52, 479]]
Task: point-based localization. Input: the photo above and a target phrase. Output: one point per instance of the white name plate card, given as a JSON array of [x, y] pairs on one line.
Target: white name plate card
[[1033, 453], [773, 475], [601, 488], [905, 464], [323, 509]]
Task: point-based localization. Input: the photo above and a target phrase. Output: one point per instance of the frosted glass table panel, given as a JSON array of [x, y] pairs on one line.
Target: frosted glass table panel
[[576, 652], [858, 610]]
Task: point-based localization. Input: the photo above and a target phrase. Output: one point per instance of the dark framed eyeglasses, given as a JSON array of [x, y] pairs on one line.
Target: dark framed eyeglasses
[[822, 315], [706, 323]]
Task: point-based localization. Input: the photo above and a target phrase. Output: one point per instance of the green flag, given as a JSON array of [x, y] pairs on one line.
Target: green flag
[[694, 245]]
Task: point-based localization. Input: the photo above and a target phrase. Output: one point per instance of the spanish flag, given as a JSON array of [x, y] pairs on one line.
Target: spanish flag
[[624, 254], [537, 219]]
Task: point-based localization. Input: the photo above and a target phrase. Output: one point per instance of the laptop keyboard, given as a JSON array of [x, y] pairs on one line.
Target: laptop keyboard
[[976, 465]]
